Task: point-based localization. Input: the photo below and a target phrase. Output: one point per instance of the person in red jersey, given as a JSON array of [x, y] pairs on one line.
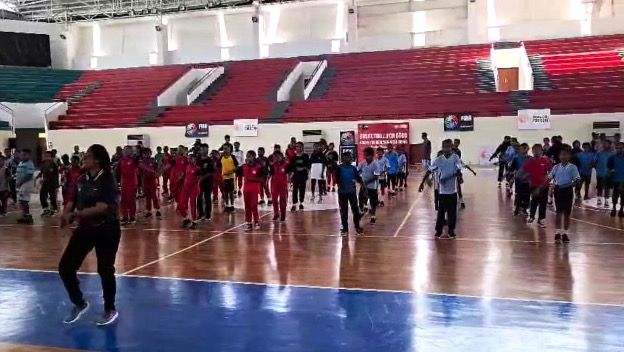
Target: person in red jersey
[[150, 169], [177, 173], [128, 169], [537, 169], [278, 170], [166, 161], [254, 175], [70, 180], [189, 193]]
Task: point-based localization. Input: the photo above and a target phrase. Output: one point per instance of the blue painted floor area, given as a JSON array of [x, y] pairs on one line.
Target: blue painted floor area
[[177, 315]]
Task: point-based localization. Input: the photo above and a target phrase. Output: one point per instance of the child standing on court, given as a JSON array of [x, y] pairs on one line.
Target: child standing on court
[[278, 170], [346, 177], [128, 167], [150, 169], [264, 190], [382, 164], [616, 171], [189, 193], [369, 170], [521, 181], [5, 175], [603, 179], [229, 164], [585, 162], [564, 177], [299, 169], [72, 176], [253, 174]]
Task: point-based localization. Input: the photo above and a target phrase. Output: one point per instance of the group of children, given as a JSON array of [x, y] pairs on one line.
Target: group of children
[[560, 174]]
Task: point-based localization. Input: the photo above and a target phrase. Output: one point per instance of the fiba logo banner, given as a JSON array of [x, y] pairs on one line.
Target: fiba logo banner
[[196, 130], [534, 119], [347, 138], [459, 122]]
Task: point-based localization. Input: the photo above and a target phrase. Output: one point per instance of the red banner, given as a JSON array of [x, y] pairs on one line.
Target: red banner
[[380, 134]]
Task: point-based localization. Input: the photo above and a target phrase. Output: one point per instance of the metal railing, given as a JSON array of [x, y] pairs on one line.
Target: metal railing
[[197, 83]]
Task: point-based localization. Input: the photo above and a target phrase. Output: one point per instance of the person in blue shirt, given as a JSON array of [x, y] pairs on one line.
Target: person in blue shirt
[[585, 163], [521, 181], [603, 179], [369, 170], [393, 168], [564, 176], [382, 163], [448, 166], [616, 170], [403, 169], [346, 177]]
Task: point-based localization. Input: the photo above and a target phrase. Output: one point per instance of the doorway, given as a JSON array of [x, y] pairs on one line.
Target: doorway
[[508, 79]]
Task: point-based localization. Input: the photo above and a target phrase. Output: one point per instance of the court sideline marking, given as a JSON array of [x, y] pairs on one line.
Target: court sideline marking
[[408, 214], [187, 248], [318, 287]]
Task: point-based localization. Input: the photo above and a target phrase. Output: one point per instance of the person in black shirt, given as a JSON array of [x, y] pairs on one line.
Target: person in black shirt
[[299, 168], [331, 156], [226, 144], [206, 173], [264, 189], [95, 209], [555, 149], [502, 163], [49, 185], [318, 162]]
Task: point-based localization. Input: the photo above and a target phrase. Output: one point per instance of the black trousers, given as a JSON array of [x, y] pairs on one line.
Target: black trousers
[[204, 200], [392, 181], [105, 239], [502, 167], [298, 191], [373, 200], [344, 201], [447, 205], [13, 190], [48, 191], [523, 195], [618, 193], [539, 198]]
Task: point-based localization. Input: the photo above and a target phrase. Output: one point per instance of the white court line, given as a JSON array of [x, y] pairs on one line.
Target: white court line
[[335, 288], [408, 214], [186, 248]]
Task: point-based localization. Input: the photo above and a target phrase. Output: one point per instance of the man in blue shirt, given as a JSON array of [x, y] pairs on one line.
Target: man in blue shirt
[[403, 169], [24, 183], [585, 163], [346, 177], [370, 170], [603, 181], [448, 167], [393, 168], [616, 170]]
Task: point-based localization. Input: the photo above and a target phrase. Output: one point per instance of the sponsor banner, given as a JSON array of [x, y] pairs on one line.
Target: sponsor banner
[[532, 119], [246, 128], [381, 134], [347, 138], [458, 122], [485, 152], [196, 130]]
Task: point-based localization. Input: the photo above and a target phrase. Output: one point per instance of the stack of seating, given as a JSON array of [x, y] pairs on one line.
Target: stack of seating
[[422, 83], [123, 98], [586, 74], [248, 91], [33, 85]]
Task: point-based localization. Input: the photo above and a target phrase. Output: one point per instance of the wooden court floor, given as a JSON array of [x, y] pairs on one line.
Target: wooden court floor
[[496, 255]]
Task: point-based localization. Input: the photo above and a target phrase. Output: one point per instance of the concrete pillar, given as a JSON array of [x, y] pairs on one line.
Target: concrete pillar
[[256, 27], [162, 45], [352, 26], [477, 22]]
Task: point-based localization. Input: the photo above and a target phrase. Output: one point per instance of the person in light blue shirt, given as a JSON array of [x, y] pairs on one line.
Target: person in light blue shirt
[[521, 181], [403, 169], [585, 163], [383, 165], [448, 166], [564, 176], [616, 170], [603, 181], [370, 169], [393, 168]]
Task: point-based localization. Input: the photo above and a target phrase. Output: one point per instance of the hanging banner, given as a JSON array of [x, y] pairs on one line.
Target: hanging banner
[[532, 119], [485, 152], [196, 130], [246, 128], [458, 122], [381, 134], [347, 138]]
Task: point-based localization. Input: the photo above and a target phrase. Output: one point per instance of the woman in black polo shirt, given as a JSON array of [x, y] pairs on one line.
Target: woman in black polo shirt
[[94, 209]]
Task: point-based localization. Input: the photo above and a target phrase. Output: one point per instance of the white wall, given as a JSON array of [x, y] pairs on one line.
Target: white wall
[[58, 46], [29, 115], [4, 139], [488, 132]]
